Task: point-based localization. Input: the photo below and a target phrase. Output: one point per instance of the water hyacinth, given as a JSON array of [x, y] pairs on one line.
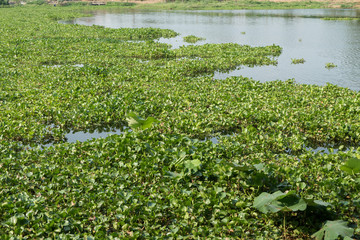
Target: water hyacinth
[[162, 180]]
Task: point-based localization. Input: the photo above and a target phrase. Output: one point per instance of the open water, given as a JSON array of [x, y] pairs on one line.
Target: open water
[[301, 34]]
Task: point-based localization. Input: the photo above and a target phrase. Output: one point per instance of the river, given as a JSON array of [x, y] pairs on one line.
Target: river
[[301, 34]]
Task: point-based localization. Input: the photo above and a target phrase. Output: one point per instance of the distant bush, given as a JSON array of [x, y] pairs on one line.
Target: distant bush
[[68, 3], [124, 4]]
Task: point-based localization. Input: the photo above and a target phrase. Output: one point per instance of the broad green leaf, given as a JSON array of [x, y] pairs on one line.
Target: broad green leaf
[[292, 203], [259, 166], [332, 230], [148, 122], [242, 168], [351, 166], [279, 201], [136, 122], [312, 202]]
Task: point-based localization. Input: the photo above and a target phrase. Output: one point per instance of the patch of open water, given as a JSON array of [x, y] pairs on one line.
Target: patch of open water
[[82, 136], [301, 33], [58, 66]]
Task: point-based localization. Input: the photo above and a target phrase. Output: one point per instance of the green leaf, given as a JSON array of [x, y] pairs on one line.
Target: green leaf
[[352, 166], [12, 221], [312, 202], [192, 164], [137, 122], [332, 230], [293, 203], [279, 201]]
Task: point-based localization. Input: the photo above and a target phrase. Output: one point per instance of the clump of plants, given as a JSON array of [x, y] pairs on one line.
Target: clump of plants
[[330, 65], [192, 39], [341, 18], [297, 60]]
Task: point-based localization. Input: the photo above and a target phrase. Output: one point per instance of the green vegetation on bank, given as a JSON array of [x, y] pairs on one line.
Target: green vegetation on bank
[[262, 180], [199, 5], [206, 5], [228, 5], [342, 18]]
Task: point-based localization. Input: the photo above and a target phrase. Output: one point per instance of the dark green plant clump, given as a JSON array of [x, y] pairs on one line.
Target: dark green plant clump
[[330, 65], [192, 39], [161, 179], [341, 18], [297, 60]]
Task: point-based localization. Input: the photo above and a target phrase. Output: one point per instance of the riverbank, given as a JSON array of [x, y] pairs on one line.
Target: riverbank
[[242, 4]]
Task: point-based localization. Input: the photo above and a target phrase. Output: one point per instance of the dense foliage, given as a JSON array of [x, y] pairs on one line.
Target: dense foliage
[[163, 180], [4, 2]]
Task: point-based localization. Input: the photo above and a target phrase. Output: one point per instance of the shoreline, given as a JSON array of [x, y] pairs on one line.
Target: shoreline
[[244, 4], [220, 4]]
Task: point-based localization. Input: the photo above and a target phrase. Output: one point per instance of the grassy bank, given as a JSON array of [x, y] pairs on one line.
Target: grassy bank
[[263, 179], [224, 5], [207, 5], [232, 5]]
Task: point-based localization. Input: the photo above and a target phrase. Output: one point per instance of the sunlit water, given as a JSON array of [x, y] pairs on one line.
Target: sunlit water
[[301, 34]]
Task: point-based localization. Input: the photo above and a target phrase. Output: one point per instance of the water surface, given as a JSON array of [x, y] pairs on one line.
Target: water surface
[[301, 34]]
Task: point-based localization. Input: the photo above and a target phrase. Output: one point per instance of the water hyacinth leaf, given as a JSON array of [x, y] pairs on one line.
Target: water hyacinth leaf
[[192, 165], [312, 202], [259, 166], [264, 201], [174, 174], [279, 201], [293, 203], [137, 122], [351, 166], [12, 220], [243, 168], [332, 230], [18, 219]]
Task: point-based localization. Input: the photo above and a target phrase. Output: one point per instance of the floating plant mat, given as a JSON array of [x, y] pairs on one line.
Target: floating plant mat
[[158, 181]]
